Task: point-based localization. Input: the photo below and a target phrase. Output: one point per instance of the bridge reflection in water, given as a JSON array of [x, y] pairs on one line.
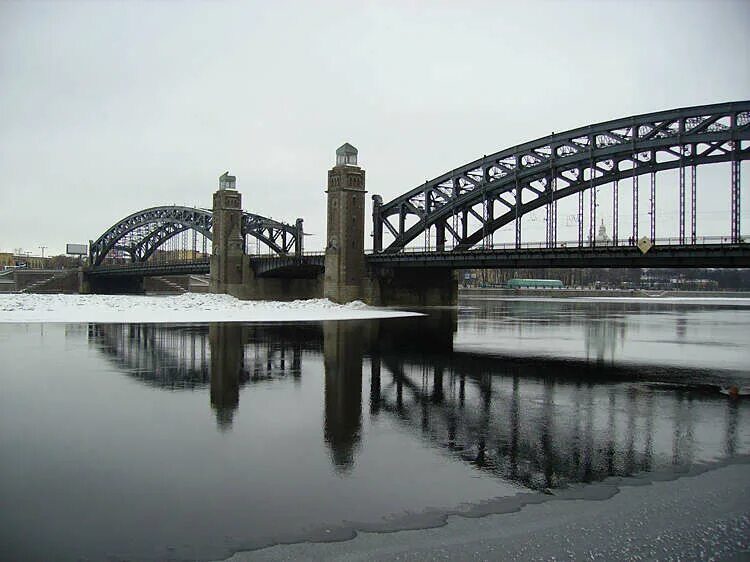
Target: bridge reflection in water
[[540, 423]]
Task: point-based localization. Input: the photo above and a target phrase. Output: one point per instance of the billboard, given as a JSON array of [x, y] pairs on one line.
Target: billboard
[[77, 249]]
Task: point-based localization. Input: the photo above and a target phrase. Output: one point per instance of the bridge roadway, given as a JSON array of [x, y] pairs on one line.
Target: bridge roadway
[[309, 265]]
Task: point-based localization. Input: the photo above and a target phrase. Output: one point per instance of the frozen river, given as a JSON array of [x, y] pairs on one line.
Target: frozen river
[[145, 428]]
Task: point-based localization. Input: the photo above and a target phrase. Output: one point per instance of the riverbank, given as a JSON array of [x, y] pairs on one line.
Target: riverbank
[[564, 293], [700, 516]]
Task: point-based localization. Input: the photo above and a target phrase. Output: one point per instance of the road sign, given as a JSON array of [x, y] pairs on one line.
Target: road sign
[[644, 244]]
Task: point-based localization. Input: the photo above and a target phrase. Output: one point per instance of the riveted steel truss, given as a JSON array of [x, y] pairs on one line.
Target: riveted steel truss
[[140, 234], [282, 238], [473, 201]]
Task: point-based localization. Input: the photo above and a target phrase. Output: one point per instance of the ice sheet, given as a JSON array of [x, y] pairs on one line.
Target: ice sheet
[[191, 307]]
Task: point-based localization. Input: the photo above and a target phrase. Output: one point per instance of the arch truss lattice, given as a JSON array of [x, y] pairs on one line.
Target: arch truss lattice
[[139, 235], [471, 202]]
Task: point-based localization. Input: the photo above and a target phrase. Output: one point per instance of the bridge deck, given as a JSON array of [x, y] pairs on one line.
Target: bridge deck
[[309, 265], [706, 255], [149, 269]]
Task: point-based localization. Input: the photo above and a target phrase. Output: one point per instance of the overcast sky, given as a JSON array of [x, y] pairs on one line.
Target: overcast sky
[[107, 108]]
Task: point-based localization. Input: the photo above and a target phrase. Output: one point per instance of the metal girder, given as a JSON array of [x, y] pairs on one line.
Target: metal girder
[[699, 255], [145, 248], [141, 233], [148, 226], [579, 160], [282, 238], [308, 266], [150, 269]]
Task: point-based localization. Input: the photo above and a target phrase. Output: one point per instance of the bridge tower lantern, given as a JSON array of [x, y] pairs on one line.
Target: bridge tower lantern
[[227, 182], [346, 155], [345, 241], [227, 244]]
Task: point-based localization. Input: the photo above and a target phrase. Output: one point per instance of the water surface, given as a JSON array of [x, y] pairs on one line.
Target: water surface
[[154, 442]]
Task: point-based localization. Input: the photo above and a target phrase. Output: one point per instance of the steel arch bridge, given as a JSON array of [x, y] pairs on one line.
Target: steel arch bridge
[[470, 203], [139, 235]]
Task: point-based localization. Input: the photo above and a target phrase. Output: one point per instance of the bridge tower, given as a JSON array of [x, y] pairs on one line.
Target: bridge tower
[[345, 247], [227, 244]]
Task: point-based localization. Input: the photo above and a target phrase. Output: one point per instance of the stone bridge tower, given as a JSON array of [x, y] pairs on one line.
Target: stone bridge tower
[[345, 242], [227, 244]]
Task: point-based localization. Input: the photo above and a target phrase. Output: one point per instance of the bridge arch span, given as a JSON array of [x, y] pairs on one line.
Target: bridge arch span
[[142, 233], [501, 188]]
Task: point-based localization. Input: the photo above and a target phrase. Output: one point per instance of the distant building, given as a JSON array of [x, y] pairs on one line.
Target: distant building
[[602, 238], [32, 262], [602, 235]]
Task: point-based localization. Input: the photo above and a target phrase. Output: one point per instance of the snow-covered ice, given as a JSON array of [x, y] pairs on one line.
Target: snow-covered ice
[[190, 307], [714, 301], [703, 301]]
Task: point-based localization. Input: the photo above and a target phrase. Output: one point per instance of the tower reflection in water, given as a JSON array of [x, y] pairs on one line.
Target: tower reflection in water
[[227, 368], [540, 423], [343, 347]]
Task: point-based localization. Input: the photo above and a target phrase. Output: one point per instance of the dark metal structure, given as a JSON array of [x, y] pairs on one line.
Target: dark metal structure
[[140, 235], [152, 268], [313, 264], [470, 203], [458, 212], [677, 256]]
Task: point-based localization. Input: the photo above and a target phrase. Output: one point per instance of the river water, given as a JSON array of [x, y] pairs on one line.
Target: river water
[[189, 441]]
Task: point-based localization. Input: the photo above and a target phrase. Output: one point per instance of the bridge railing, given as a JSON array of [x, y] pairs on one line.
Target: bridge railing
[[666, 241], [508, 246], [287, 257], [175, 267], [672, 241]]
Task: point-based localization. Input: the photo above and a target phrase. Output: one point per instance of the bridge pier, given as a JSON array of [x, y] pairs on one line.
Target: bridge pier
[[347, 277], [345, 242], [120, 285], [228, 246], [411, 287], [275, 288], [231, 271], [84, 286]]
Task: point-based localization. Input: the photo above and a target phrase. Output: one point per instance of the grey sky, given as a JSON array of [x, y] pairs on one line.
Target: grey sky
[[107, 108]]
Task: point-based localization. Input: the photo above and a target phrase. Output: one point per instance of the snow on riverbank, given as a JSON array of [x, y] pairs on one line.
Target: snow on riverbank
[[190, 307]]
